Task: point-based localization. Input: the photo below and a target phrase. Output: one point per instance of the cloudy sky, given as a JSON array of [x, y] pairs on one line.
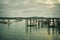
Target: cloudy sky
[[25, 8]]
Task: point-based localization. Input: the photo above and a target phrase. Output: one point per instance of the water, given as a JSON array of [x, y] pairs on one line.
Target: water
[[18, 8], [18, 31]]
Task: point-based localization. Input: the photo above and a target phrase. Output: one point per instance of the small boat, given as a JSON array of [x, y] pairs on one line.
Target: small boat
[[32, 24], [5, 22]]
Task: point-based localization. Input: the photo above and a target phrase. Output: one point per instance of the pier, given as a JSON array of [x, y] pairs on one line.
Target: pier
[[34, 21]]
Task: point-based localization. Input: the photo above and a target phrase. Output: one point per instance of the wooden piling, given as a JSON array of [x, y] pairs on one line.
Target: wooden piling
[[30, 24], [26, 27]]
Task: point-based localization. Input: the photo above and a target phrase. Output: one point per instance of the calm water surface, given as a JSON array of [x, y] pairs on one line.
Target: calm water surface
[[18, 31]]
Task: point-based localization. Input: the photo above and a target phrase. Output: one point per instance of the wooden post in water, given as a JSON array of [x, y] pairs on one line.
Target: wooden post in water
[[53, 25], [38, 23], [30, 24], [33, 20], [49, 25], [26, 25], [42, 23], [26, 22]]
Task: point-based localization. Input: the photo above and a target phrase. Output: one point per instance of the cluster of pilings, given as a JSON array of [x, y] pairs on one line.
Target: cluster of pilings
[[34, 22], [51, 22], [54, 24]]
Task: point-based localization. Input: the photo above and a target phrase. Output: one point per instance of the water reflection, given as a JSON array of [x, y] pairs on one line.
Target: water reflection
[[58, 27], [50, 29], [31, 28], [16, 31], [50, 37], [41, 32]]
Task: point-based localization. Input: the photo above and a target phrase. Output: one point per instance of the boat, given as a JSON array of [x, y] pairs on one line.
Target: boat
[[5, 22], [32, 24]]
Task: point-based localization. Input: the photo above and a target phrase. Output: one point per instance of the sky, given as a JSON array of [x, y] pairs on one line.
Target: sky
[[27, 8]]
